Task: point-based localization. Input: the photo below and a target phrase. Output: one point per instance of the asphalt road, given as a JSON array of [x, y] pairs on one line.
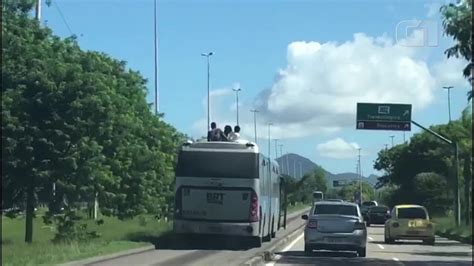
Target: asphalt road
[[413, 253], [201, 251]]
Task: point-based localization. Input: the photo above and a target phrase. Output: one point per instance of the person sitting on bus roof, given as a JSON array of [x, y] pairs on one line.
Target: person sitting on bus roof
[[215, 134], [227, 131], [234, 136]]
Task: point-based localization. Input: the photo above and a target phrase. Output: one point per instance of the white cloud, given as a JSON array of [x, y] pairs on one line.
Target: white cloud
[[449, 73], [338, 149], [322, 82]]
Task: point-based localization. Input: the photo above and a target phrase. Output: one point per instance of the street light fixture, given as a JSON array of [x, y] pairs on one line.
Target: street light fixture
[[269, 124], [208, 55]]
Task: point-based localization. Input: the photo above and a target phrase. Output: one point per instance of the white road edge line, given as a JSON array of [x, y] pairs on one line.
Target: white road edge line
[[380, 246], [395, 259], [370, 238], [277, 257]]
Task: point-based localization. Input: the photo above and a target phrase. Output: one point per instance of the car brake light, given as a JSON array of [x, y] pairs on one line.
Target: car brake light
[[395, 225], [254, 207], [359, 226], [312, 224]]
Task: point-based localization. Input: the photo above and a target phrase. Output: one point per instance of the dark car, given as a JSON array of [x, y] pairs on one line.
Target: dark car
[[377, 215]]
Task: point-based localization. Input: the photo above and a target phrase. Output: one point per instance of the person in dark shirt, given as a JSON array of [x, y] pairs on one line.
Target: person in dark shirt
[[227, 131], [215, 134]]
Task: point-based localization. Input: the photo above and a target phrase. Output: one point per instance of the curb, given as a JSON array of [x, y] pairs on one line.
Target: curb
[[109, 257], [267, 255]]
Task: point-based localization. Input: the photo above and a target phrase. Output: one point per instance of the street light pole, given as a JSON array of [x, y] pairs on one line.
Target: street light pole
[[276, 147], [449, 100], [360, 177], [237, 101], [392, 139], [269, 141], [255, 111], [281, 154], [156, 58], [38, 10], [208, 55]]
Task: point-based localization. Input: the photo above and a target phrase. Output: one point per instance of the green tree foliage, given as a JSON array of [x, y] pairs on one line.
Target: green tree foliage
[[457, 23], [347, 191], [310, 182], [422, 171], [79, 119]]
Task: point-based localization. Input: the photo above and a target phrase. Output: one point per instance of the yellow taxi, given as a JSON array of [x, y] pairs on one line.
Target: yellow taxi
[[409, 222]]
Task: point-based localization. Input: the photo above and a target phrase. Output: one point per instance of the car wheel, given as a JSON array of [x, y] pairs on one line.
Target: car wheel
[[307, 249], [362, 252]]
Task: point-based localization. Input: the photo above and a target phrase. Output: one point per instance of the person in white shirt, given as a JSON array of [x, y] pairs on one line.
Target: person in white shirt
[[235, 135]]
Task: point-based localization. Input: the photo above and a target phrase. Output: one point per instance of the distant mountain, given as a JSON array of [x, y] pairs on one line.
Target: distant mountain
[[297, 166]]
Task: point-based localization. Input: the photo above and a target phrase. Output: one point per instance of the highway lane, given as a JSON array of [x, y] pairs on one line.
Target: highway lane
[[412, 253], [199, 251]]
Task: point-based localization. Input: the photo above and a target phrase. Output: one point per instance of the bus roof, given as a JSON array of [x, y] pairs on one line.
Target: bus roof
[[231, 146]]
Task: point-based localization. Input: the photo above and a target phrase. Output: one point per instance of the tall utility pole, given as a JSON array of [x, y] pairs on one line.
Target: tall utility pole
[[360, 176], [294, 169], [276, 147], [386, 146], [449, 100], [255, 111], [301, 170], [38, 10], [392, 139], [269, 124], [208, 55], [237, 101], [281, 154], [156, 59], [287, 164]]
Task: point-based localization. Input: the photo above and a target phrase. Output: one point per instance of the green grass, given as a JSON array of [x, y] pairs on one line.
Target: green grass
[[116, 236], [297, 207], [445, 226]]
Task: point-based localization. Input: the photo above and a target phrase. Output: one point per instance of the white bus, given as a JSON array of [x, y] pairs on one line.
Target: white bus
[[318, 196], [226, 188]]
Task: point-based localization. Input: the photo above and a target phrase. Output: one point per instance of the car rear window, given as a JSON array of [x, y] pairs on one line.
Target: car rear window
[[411, 213], [335, 209], [378, 209]]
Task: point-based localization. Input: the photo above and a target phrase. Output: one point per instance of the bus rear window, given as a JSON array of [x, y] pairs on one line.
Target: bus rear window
[[217, 164]]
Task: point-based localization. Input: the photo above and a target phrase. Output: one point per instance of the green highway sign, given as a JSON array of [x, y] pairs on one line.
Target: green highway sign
[[384, 116]]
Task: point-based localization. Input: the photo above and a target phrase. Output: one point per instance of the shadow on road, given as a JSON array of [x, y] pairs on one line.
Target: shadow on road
[[319, 254], [169, 241], [420, 243], [347, 258]]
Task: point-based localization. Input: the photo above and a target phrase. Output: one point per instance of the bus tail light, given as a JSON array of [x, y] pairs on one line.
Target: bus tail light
[[254, 207]]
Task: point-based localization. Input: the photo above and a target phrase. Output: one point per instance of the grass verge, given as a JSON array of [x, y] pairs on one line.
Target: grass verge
[[445, 227], [116, 236]]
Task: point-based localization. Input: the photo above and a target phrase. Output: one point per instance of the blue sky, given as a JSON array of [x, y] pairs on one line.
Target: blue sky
[[299, 62]]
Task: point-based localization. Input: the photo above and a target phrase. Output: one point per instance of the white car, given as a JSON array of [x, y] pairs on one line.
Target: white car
[[335, 226]]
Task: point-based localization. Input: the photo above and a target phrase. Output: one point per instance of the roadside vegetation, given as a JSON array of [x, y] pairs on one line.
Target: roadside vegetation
[[422, 171]]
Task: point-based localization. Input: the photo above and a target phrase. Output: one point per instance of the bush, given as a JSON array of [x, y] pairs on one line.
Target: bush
[[70, 228]]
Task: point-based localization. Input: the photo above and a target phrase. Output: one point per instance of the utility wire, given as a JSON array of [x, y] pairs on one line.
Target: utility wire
[[62, 16]]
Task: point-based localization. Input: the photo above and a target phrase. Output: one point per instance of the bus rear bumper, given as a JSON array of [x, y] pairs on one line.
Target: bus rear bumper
[[216, 228]]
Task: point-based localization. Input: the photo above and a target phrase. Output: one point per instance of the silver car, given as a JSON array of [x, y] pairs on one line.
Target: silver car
[[335, 226]]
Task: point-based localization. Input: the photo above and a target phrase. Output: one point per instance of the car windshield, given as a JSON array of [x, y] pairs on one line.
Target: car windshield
[[378, 209], [411, 213], [335, 209]]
